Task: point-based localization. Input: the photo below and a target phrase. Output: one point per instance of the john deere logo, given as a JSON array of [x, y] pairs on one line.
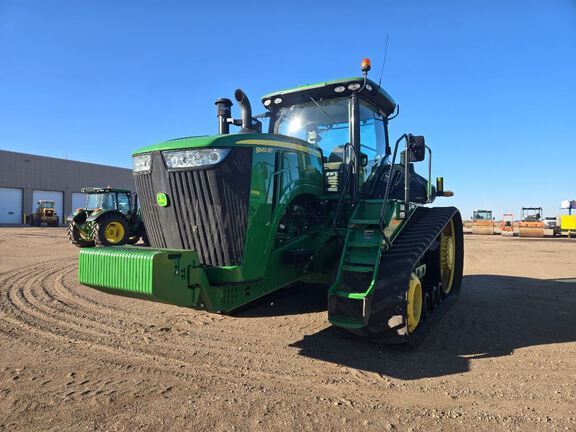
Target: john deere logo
[[162, 199]]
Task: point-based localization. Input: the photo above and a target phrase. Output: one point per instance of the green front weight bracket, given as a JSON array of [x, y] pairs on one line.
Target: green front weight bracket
[[171, 276]]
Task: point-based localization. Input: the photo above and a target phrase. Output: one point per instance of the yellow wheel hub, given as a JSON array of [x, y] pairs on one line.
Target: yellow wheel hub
[[447, 257], [114, 232], [414, 303]]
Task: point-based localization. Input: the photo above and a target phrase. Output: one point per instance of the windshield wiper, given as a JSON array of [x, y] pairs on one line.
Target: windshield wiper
[[322, 109]]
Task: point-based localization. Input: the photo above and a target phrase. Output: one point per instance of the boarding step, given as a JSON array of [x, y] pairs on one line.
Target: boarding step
[[354, 244], [358, 268], [364, 222]]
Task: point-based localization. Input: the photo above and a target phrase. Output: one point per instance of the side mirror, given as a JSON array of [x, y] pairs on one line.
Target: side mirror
[[416, 147], [363, 160]]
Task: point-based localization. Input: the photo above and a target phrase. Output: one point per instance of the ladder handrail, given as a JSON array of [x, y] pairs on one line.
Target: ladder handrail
[[391, 178], [346, 178]]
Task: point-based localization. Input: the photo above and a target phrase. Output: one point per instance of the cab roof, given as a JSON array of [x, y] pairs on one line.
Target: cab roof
[[103, 190], [326, 90]]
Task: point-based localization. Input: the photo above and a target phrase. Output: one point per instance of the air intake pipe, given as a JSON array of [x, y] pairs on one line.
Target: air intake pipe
[[246, 111], [224, 112]]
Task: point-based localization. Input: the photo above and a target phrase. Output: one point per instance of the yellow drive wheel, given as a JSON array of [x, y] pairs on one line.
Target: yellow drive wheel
[[447, 257], [414, 303], [114, 232]]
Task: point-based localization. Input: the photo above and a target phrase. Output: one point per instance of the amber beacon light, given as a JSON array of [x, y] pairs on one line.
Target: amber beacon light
[[365, 66]]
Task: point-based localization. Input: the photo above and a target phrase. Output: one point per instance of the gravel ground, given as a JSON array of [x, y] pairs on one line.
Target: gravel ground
[[73, 358]]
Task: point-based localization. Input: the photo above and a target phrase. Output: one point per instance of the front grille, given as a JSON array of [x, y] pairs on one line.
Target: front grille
[[150, 210], [207, 209]]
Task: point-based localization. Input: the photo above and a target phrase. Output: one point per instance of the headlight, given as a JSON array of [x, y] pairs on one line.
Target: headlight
[[194, 158], [141, 163]]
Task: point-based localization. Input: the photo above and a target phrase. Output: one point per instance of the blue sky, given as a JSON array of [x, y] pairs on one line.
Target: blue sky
[[491, 84]]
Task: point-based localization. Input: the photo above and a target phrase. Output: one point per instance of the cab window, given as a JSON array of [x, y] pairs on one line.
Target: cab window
[[372, 137], [123, 202]]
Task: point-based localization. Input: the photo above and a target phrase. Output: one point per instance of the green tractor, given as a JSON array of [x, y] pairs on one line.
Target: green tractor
[[322, 197], [110, 217]]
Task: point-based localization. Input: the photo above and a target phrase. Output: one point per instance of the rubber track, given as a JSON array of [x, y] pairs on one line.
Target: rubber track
[[397, 264]]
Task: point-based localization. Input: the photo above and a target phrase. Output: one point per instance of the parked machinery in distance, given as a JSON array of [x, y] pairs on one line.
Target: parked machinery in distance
[[568, 222], [507, 224], [531, 222], [568, 225], [110, 217], [551, 223], [482, 222], [45, 212]]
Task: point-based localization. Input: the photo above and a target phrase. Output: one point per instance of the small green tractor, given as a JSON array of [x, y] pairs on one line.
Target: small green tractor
[[323, 197], [45, 212], [110, 217]]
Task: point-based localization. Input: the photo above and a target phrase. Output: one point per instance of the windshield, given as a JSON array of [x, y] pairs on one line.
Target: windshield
[[533, 215], [47, 205], [486, 215], [101, 200], [326, 124]]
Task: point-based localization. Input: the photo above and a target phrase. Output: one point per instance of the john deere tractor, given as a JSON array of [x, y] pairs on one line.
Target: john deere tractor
[[110, 217], [323, 196]]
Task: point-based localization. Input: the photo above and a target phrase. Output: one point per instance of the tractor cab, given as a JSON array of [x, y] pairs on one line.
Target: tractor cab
[[110, 199], [42, 204], [347, 120]]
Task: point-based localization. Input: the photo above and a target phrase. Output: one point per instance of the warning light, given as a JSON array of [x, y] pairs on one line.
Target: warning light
[[366, 65]]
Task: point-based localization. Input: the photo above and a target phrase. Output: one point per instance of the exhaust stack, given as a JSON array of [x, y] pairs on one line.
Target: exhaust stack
[[246, 111]]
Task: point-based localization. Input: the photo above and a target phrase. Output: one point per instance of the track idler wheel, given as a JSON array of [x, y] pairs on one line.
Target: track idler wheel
[[414, 303], [447, 257]]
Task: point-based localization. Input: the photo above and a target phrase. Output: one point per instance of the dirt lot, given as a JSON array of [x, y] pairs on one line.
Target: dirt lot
[[72, 358]]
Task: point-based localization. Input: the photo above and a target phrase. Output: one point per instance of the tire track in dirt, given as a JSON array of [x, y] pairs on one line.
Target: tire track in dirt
[[42, 303], [91, 324]]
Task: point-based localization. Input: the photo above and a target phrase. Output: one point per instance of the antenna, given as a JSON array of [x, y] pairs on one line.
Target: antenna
[[384, 61]]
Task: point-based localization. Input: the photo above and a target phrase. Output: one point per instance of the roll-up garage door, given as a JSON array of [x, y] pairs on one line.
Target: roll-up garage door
[[78, 200], [10, 206]]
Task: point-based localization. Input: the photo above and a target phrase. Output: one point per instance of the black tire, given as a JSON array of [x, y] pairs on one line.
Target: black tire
[[75, 237], [37, 221], [56, 222], [145, 240], [133, 240], [99, 229]]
